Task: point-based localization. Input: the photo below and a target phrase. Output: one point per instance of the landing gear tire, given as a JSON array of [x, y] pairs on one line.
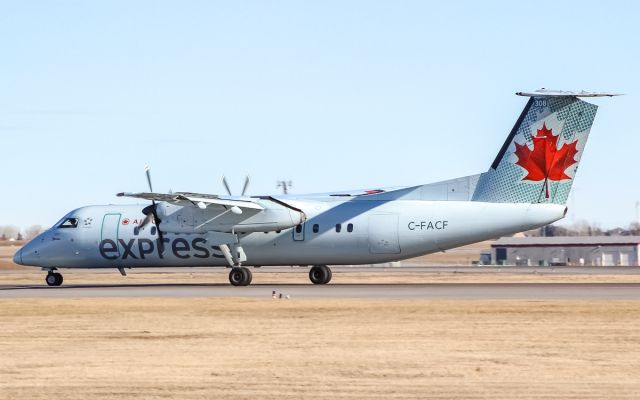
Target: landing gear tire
[[248, 276], [54, 279], [320, 274], [240, 276]]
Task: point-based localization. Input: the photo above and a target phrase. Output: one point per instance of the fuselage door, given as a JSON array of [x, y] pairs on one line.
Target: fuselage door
[[110, 228], [383, 234], [298, 232]]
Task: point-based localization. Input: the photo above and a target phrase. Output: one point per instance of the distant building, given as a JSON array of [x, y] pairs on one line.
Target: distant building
[[567, 250]]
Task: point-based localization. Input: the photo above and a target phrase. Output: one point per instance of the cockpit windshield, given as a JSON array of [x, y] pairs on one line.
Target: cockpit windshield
[[69, 223]]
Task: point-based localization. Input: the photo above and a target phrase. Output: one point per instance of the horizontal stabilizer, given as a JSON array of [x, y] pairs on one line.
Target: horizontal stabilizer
[[561, 93]]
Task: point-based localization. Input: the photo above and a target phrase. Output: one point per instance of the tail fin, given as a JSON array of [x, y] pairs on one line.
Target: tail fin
[[539, 159]]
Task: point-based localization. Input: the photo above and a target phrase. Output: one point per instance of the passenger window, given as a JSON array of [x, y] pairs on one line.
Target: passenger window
[[350, 228], [316, 228], [153, 230], [69, 223], [298, 228], [338, 227]]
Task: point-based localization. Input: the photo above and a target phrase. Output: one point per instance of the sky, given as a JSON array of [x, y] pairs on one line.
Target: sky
[[332, 95]]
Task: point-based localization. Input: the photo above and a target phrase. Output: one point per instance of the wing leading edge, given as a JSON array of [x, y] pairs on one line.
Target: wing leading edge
[[194, 200]]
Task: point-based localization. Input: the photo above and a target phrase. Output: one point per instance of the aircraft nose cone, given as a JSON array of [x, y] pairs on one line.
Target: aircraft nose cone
[[29, 254], [17, 258]]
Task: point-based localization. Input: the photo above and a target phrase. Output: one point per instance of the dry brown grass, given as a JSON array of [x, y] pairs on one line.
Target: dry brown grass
[[116, 348], [464, 255], [7, 250], [9, 243]]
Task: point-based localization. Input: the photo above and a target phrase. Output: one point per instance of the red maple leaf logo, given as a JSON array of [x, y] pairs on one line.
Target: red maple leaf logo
[[546, 161]]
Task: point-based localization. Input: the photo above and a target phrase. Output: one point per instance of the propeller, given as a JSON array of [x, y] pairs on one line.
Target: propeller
[[151, 213], [244, 188], [226, 185], [246, 185]]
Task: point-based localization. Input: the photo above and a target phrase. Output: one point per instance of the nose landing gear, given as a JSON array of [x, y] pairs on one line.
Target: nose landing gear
[[54, 278]]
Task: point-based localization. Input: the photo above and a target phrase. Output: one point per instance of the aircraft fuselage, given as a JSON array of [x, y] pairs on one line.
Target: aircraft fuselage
[[335, 232]]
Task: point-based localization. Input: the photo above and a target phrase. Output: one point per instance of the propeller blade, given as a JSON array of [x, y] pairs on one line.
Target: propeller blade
[[226, 185], [148, 173], [160, 234], [246, 185], [160, 240], [151, 213]]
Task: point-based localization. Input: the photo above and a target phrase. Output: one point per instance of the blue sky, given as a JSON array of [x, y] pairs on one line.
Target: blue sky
[[330, 95]]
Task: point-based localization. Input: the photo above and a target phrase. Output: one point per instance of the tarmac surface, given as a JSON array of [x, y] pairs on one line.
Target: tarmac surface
[[462, 291], [351, 290]]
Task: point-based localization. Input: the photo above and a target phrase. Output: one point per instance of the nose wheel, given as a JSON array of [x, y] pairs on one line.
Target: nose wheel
[[54, 279]]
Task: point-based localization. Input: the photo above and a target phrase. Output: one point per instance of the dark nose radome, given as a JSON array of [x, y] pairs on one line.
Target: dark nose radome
[[17, 258]]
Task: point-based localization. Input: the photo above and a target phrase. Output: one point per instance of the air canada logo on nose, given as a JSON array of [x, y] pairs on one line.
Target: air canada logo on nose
[[546, 161], [135, 221]]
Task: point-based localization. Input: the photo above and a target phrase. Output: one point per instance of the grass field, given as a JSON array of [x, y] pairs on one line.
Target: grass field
[[116, 348], [204, 348]]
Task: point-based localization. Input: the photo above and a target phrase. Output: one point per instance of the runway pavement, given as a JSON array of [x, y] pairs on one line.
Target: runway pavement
[[463, 291], [336, 289]]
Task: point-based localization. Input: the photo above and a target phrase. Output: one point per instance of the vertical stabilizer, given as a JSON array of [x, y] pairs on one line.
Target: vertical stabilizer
[[539, 159]]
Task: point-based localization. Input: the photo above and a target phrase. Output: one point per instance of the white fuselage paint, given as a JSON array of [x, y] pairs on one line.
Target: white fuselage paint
[[382, 231]]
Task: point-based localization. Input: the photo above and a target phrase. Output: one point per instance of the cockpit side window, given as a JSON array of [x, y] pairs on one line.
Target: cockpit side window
[[69, 223]]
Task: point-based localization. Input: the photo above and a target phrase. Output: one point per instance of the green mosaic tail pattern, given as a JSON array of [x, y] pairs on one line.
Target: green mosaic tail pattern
[[539, 159]]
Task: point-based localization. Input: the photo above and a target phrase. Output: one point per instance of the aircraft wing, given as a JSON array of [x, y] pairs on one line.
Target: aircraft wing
[[195, 200]]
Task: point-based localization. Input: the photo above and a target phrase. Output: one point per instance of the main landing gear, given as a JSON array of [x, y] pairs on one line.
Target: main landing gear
[[240, 276], [229, 245], [320, 274], [54, 278]]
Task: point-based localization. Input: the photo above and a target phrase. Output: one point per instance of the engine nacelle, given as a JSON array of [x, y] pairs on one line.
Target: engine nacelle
[[187, 219]]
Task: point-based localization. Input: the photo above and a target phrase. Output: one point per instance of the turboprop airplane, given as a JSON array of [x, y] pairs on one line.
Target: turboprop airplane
[[526, 187]]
